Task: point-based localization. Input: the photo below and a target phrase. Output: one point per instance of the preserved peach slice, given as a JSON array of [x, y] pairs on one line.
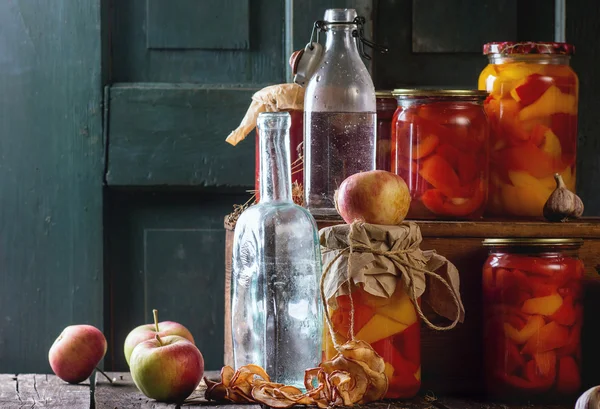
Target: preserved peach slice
[[551, 144], [566, 314], [551, 102], [378, 328], [550, 336], [543, 305], [400, 308], [546, 363], [534, 324], [389, 370], [523, 201]]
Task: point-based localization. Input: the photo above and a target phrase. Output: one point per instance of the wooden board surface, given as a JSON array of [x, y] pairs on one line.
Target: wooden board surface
[[38, 390], [34, 390]]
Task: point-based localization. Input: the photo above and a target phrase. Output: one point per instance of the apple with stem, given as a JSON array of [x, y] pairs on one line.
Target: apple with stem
[[76, 353], [167, 368], [149, 331]]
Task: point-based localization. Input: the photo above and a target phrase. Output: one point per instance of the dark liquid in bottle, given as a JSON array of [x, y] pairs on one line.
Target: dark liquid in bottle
[[338, 145]]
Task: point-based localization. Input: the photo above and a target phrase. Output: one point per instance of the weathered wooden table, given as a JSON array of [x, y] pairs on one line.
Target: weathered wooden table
[[47, 391]]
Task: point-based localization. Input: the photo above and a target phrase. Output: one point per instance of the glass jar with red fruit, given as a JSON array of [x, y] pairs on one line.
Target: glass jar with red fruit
[[532, 109], [533, 316], [440, 147], [296, 151], [390, 325], [386, 106]]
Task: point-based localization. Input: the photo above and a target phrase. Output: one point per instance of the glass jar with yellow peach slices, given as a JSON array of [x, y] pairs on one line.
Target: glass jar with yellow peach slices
[[532, 110]]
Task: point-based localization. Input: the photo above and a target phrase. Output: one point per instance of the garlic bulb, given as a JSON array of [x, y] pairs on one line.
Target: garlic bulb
[[590, 399], [562, 203]]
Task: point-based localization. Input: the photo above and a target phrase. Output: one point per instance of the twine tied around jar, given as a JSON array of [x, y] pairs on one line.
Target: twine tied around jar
[[394, 256]]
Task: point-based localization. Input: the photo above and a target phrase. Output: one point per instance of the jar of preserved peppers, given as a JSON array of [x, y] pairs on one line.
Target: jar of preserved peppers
[[440, 148], [386, 106], [296, 151], [532, 111], [532, 317], [390, 325]]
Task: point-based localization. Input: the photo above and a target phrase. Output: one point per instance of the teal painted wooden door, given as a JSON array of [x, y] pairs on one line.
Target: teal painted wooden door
[[51, 172]]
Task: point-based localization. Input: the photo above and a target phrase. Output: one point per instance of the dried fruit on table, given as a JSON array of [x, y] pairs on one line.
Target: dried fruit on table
[[354, 376]]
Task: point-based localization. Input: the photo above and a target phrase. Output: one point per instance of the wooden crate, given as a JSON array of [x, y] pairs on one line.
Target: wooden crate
[[452, 361]]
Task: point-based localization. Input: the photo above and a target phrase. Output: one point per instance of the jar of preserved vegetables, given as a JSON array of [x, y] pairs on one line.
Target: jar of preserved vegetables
[[532, 111], [386, 106], [532, 317], [440, 148]]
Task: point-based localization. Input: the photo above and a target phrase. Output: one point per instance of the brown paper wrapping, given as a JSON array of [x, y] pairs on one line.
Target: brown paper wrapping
[[275, 98], [363, 263]]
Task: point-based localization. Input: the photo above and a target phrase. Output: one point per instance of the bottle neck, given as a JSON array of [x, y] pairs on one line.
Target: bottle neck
[[275, 174], [341, 41]]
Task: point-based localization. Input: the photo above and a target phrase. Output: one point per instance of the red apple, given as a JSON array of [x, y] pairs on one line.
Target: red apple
[[167, 369], [149, 331], [376, 197], [76, 352]]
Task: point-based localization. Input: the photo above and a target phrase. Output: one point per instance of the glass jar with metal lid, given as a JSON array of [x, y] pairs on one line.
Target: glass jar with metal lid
[[532, 111], [386, 106], [533, 312], [440, 148]]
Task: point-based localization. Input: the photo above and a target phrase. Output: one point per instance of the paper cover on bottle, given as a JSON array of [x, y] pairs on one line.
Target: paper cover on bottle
[[274, 98]]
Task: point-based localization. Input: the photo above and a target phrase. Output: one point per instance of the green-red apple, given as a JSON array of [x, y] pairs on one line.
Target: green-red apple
[[76, 352], [149, 331], [167, 369]]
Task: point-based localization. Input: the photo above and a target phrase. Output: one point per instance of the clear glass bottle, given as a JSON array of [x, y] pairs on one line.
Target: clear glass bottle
[[339, 115], [276, 313]]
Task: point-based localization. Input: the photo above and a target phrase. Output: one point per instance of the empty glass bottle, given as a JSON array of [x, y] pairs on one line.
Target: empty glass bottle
[[339, 114], [276, 312]]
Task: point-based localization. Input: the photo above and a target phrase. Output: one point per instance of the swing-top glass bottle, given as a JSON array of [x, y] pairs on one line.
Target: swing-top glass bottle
[[276, 313], [339, 114]]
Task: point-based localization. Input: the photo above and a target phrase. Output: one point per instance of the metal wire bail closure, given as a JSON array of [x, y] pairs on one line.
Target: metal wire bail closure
[[359, 32]]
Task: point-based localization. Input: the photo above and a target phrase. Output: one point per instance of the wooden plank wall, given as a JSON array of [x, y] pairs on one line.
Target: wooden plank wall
[[51, 166]]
